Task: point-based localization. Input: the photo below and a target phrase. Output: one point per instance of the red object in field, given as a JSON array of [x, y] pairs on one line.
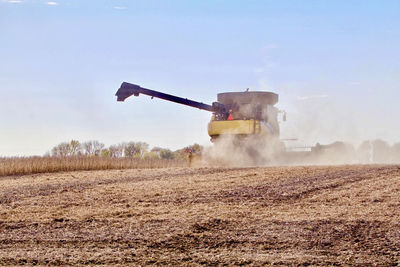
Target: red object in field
[[230, 117]]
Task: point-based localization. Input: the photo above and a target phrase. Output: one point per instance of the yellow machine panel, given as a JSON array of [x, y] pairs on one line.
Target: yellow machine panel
[[233, 127]]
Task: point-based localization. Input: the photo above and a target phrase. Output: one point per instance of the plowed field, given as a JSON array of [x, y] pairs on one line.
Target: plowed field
[[344, 215]]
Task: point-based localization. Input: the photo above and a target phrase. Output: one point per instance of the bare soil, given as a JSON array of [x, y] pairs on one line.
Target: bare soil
[[342, 215]]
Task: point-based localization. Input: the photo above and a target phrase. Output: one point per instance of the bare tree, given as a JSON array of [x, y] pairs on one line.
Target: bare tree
[[93, 148], [166, 154], [75, 148], [156, 150], [97, 147], [61, 150], [142, 147], [130, 149], [105, 152], [116, 151], [65, 149], [135, 149]]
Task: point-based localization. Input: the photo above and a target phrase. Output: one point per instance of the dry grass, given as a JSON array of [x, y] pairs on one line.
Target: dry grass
[[344, 215], [31, 165]]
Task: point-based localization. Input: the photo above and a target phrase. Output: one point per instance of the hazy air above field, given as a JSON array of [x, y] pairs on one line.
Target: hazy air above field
[[335, 65]]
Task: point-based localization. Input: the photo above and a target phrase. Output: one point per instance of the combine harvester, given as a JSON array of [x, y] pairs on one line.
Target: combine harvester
[[244, 123]]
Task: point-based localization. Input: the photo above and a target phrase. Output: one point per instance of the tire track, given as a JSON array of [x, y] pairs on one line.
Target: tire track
[[296, 188], [21, 192]]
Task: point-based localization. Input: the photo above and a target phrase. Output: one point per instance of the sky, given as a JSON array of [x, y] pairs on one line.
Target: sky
[[334, 64]]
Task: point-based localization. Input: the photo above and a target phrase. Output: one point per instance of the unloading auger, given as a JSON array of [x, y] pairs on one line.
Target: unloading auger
[[236, 114]]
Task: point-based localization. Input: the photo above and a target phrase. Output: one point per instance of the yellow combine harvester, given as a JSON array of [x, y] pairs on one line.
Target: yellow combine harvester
[[248, 118], [246, 124]]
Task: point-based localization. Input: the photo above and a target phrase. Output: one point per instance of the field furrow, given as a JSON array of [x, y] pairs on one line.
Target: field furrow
[[338, 215]]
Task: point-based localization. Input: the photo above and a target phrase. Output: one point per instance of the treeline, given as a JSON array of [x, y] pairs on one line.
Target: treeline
[[94, 155], [139, 150]]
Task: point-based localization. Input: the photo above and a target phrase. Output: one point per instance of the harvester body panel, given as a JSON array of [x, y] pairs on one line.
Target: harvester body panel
[[216, 128], [240, 127]]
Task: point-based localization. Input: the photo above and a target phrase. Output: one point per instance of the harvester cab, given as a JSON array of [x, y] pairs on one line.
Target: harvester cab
[[238, 114], [253, 113]]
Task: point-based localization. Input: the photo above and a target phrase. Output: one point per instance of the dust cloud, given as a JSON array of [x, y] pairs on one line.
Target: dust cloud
[[228, 151], [321, 129], [232, 151]]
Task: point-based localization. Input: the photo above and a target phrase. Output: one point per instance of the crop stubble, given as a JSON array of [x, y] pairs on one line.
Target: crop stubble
[[276, 215]]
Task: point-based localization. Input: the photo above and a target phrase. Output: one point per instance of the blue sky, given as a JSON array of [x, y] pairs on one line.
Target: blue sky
[[335, 64]]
